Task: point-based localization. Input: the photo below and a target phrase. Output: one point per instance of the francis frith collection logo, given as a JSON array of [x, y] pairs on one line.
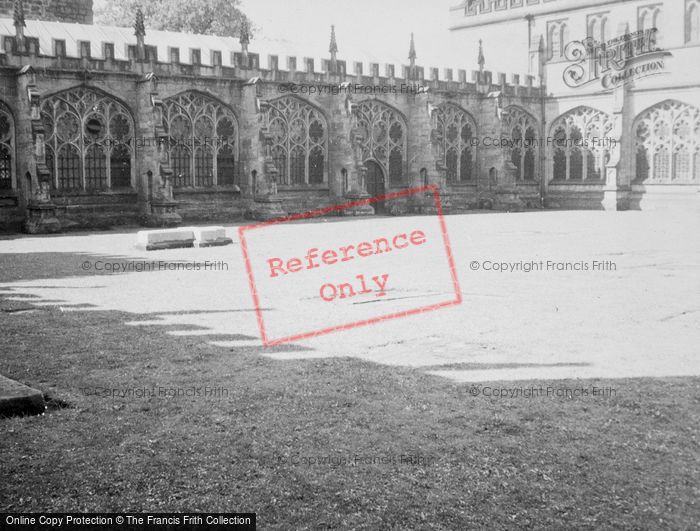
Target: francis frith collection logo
[[615, 62]]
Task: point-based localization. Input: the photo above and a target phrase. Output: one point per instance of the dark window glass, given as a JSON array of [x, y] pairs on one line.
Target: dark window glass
[[226, 166], [120, 167], [297, 166], [451, 161], [576, 165], [5, 168], [395, 167], [592, 169], [316, 166], [466, 165], [69, 168], [279, 156], [204, 167], [180, 162], [95, 168], [529, 165], [560, 164]]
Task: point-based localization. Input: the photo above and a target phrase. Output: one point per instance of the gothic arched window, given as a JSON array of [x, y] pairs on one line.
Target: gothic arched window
[[668, 143], [203, 136], [580, 147], [598, 27], [382, 136], [521, 127], [648, 17], [456, 131], [692, 21], [7, 149], [299, 141], [557, 37], [88, 140]]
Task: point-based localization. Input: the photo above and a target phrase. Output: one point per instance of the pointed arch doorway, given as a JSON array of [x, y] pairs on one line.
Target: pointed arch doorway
[[375, 184]]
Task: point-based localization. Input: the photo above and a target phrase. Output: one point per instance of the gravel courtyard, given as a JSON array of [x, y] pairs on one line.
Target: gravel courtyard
[[161, 396], [638, 315]]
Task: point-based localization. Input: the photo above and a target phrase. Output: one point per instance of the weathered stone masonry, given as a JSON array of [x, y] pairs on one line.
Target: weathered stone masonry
[[98, 141], [143, 86]]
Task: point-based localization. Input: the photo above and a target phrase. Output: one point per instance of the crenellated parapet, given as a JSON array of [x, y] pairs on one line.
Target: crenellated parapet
[[306, 71]]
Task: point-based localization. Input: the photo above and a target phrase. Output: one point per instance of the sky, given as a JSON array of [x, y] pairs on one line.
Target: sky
[[377, 31], [366, 30]]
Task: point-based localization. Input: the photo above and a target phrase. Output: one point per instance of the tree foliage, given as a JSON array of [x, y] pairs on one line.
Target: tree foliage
[[209, 17]]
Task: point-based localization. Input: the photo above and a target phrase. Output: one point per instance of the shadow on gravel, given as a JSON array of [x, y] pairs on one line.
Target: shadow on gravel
[[36, 266]]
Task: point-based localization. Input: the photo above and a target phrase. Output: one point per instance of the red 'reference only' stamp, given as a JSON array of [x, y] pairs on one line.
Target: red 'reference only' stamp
[[309, 279]]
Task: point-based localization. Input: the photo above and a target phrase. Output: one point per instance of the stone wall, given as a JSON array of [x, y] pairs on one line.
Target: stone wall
[[79, 11], [246, 89]]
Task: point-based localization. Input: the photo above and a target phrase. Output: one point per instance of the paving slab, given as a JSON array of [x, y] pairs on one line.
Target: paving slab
[[19, 399]]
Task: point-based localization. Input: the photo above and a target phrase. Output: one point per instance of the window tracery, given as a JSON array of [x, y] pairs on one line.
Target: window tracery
[[581, 145], [456, 132], [88, 142], [382, 136], [668, 143], [203, 140], [299, 141], [521, 127]]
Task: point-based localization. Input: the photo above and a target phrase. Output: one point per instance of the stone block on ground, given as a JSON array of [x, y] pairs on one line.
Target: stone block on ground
[[18, 399], [210, 236], [153, 240]]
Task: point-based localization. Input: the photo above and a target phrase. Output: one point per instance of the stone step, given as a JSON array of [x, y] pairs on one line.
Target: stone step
[[210, 236], [18, 399], [154, 240]]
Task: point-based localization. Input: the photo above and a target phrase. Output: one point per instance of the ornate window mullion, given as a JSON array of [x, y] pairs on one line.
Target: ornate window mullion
[[288, 172], [387, 157], [108, 157], [306, 159], [193, 156], [214, 164], [107, 152], [54, 161], [82, 150]]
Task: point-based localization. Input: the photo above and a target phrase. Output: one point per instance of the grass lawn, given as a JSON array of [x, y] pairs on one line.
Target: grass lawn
[[625, 461]]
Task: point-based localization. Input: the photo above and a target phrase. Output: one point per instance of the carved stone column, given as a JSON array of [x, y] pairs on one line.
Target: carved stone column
[[40, 213], [155, 175], [498, 188], [616, 188], [267, 204], [357, 179]]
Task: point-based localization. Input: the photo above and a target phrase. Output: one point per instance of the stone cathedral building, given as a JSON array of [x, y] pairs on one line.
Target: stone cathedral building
[[102, 126]]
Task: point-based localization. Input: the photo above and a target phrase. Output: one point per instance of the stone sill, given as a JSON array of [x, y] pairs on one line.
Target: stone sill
[[639, 185], [461, 185], [303, 188], [91, 193], [209, 190], [576, 183]]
